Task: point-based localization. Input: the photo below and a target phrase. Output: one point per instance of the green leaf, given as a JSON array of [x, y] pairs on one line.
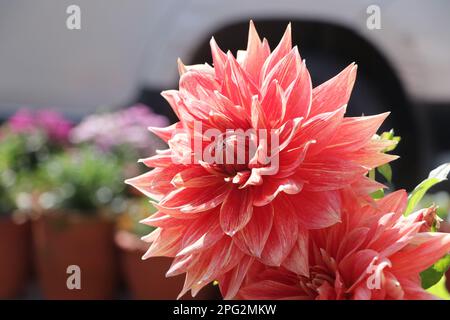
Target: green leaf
[[437, 175], [372, 174], [389, 135], [377, 194], [439, 290], [433, 274], [386, 171]]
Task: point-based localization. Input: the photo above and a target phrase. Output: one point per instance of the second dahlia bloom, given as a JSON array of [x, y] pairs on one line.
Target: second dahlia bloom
[[213, 217], [374, 253]]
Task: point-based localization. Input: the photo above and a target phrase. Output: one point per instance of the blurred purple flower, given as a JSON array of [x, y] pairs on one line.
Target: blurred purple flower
[[53, 124], [124, 127]]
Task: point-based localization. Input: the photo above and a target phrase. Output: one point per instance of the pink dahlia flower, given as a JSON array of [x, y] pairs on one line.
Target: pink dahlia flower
[[374, 253], [215, 216]]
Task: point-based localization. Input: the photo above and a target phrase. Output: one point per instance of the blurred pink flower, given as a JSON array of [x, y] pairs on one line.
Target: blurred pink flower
[[374, 253], [123, 127], [53, 124], [214, 217]]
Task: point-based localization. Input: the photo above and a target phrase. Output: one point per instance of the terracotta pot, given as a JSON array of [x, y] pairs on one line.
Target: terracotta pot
[[146, 279], [14, 257], [63, 240]]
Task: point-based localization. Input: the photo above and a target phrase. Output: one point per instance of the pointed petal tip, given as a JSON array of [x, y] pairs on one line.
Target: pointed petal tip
[[130, 181], [181, 67]]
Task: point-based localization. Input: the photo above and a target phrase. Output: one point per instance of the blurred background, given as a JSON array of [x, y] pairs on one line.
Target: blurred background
[[67, 95]]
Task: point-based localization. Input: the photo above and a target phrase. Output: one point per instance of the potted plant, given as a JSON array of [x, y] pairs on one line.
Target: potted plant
[[123, 133], [14, 248], [146, 279], [25, 140], [79, 190]]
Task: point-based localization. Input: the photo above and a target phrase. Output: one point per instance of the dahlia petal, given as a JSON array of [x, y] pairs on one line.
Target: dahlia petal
[[198, 85], [226, 256], [177, 104], [201, 234], [393, 287], [362, 293], [193, 200], [154, 184], [320, 128], [429, 246], [195, 177], [219, 59], [158, 160], [252, 238], [162, 220], [181, 264], [283, 236], [231, 282], [258, 117], [268, 191], [297, 261], [393, 202], [288, 133], [369, 158], [299, 95], [236, 210], [278, 53], [316, 210], [256, 54], [285, 71], [166, 244], [237, 85], [292, 159], [365, 186], [352, 242], [166, 133], [269, 290], [414, 291], [273, 104], [334, 93], [326, 292], [354, 266], [234, 112], [354, 133], [387, 239], [192, 278], [328, 173]]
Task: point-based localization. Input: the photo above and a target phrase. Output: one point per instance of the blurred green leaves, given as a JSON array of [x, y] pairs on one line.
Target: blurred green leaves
[[433, 274], [437, 175], [83, 180]]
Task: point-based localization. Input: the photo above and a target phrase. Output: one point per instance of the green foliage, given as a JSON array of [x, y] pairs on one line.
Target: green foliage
[[378, 194], [439, 290], [20, 157], [440, 199], [437, 175], [433, 274], [138, 210], [84, 180], [386, 171], [390, 135]]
